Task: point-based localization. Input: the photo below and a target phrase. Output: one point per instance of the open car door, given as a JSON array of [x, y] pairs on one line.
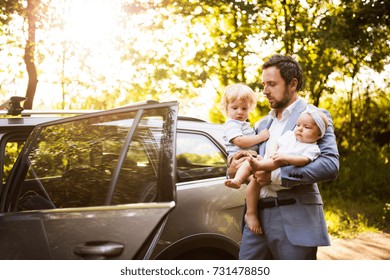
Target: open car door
[[96, 186]]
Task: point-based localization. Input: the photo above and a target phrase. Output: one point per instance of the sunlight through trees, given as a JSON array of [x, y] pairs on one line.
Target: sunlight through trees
[[99, 54]]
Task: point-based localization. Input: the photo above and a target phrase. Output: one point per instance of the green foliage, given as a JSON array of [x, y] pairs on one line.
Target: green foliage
[[174, 49], [358, 200], [7, 9], [12, 149], [386, 216], [349, 217], [364, 173], [341, 224], [364, 144]]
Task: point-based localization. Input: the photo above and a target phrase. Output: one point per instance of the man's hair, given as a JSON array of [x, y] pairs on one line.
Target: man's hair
[[289, 68]]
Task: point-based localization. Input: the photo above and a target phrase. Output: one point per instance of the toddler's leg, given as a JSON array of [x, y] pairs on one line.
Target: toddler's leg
[[241, 176], [252, 197], [233, 183]]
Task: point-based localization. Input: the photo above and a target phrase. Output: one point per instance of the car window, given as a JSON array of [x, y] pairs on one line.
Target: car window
[[93, 162], [197, 157], [12, 150], [11, 145], [141, 164]]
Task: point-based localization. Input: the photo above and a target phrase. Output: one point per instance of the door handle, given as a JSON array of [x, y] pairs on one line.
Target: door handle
[[98, 250]]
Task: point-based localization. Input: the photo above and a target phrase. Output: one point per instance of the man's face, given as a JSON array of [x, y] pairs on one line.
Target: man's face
[[279, 95]]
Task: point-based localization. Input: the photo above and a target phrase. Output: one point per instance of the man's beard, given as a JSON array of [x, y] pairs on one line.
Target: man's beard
[[282, 104]]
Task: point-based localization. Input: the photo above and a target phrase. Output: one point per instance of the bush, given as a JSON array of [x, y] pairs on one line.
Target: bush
[[347, 218], [364, 173]]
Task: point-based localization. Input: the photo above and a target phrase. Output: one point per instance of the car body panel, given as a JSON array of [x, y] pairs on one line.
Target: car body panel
[[206, 222], [22, 236], [205, 209], [86, 234], [80, 233]]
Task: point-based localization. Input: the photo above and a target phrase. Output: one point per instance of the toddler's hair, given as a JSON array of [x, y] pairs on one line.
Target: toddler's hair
[[238, 92]]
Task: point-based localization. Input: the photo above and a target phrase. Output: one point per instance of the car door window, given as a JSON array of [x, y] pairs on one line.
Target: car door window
[[93, 162], [11, 151], [141, 165], [197, 157]]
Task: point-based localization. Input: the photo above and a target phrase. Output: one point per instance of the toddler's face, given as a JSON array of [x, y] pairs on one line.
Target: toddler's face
[[238, 110], [306, 130]]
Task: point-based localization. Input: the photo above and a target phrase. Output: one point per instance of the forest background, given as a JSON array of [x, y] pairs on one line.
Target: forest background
[[85, 54]]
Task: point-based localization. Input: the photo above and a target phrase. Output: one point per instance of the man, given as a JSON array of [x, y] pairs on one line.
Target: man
[[290, 205]]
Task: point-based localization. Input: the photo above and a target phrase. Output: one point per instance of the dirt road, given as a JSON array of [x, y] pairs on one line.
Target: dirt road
[[366, 246]]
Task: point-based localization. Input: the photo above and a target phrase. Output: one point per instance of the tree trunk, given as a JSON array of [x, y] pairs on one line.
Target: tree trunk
[[29, 53]]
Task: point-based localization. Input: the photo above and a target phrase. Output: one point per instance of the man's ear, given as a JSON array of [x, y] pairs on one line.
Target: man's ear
[[294, 84]]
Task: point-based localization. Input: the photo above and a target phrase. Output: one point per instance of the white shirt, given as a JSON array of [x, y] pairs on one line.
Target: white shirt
[[275, 131], [233, 129], [289, 144]]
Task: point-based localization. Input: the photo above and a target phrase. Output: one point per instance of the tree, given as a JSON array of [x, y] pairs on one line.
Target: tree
[[31, 10], [235, 27], [194, 45], [9, 8], [363, 42], [228, 52]]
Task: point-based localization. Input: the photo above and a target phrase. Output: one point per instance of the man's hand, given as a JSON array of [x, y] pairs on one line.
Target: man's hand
[[263, 178], [236, 162]]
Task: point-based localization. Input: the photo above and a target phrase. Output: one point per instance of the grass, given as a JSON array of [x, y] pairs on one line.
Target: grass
[[348, 218]]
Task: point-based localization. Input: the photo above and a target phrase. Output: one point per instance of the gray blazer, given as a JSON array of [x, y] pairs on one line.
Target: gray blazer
[[304, 221]]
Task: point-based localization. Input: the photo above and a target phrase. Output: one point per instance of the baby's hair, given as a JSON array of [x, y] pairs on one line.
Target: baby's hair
[[238, 92]]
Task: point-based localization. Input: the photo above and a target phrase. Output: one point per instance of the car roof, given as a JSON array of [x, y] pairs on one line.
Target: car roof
[[189, 123]]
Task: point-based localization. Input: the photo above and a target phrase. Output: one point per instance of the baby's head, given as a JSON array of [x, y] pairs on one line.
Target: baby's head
[[238, 92], [311, 125]]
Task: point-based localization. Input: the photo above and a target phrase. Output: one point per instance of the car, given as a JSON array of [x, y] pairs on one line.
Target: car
[[135, 182]]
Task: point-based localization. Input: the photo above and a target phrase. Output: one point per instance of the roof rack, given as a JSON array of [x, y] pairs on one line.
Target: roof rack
[[32, 113], [12, 107], [56, 112]]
